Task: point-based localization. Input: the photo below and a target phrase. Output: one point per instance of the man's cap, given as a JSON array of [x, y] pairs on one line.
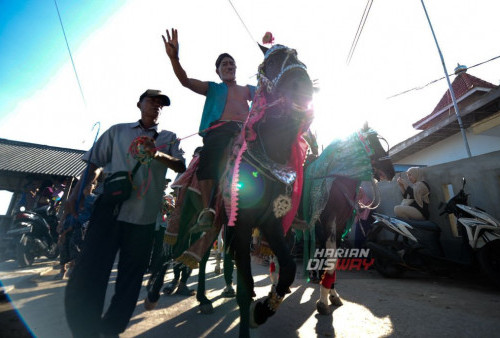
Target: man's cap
[[155, 93]]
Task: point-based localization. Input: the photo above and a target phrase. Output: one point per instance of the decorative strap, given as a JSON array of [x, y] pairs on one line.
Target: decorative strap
[[138, 164]]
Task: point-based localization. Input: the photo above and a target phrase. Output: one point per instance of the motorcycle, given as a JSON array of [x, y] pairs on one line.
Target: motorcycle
[[34, 234], [416, 245]]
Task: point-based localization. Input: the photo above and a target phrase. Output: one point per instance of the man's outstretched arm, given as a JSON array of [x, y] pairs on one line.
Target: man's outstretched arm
[[172, 49]]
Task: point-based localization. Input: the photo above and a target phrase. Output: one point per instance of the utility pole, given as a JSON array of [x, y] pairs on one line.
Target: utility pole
[[459, 118]]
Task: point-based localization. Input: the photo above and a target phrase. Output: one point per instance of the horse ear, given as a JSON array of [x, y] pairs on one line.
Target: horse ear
[[263, 49]]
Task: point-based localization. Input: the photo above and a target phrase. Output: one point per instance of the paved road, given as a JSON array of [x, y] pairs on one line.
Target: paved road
[[416, 306]]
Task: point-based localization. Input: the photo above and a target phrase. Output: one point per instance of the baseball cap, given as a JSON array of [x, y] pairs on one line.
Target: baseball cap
[[155, 93]]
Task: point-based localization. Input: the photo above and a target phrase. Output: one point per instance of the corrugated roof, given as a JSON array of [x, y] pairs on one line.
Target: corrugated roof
[[31, 158], [463, 84]]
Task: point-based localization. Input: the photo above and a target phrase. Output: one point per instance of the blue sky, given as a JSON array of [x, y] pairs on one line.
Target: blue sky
[[118, 51], [32, 43]]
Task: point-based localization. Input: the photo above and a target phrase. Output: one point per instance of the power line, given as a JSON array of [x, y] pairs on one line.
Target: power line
[[69, 51], [360, 30], [241, 20], [434, 81]]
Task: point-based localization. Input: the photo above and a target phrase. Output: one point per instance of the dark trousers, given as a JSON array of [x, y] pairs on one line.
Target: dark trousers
[[86, 289]]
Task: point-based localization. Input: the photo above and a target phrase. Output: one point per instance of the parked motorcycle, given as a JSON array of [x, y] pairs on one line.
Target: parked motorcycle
[[416, 245], [33, 234]]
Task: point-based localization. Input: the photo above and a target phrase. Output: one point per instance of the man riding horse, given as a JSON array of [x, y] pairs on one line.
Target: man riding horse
[[225, 110]]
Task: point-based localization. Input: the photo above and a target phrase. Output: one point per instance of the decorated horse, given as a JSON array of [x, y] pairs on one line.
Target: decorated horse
[[331, 197], [263, 180], [185, 247]]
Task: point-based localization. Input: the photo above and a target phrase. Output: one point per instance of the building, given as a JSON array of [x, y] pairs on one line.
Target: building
[[441, 140], [23, 163]]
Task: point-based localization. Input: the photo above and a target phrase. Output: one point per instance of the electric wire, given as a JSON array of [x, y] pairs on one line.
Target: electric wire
[[434, 81], [70, 55], [361, 26], [242, 22]]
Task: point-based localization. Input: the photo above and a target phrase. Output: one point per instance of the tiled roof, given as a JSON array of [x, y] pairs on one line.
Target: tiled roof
[[463, 84], [31, 158]]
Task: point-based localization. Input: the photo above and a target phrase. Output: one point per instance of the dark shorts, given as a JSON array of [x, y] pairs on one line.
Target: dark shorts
[[213, 156]]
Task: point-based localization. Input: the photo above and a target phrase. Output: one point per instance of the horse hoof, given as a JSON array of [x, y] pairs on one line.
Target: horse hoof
[[228, 292], [323, 309], [170, 287], [335, 300], [149, 305], [206, 308]]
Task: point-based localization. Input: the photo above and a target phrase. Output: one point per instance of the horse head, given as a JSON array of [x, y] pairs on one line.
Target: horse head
[[383, 169], [282, 101], [285, 78]]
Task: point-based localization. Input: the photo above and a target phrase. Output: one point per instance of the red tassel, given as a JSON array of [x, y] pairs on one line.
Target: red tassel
[[328, 280], [272, 267], [268, 38]]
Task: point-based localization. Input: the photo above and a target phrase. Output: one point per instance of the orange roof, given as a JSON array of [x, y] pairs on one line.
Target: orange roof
[[462, 85]]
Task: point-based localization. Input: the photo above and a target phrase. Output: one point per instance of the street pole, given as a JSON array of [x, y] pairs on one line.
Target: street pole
[[459, 118]]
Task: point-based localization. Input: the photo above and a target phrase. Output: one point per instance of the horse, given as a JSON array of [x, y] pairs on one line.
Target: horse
[[184, 247], [263, 180], [331, 194]]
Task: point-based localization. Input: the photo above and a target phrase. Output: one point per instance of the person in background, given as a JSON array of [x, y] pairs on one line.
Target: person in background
[[72, 231], [415, 204]]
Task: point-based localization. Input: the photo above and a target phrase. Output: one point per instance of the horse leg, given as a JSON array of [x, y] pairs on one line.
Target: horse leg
[[155, 283], [274, 267], [244, 282], [262, 310], [205, 303], [218, 256], [228, 265], [327, 284]]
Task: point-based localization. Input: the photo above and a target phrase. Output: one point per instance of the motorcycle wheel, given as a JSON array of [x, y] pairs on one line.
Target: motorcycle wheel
[[53, 252], [489, 260], [25, 251], [386, 266]]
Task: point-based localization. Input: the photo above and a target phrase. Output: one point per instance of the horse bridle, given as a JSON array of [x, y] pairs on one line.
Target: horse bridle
[[271, 84]]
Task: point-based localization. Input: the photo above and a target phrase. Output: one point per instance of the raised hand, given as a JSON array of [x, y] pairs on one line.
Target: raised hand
[[171, 44]]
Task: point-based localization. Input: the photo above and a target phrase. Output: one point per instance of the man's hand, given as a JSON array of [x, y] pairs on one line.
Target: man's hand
[[171, 44], [149, 147]]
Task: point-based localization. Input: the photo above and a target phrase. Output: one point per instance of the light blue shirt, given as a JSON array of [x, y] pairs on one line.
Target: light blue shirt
[[111, 153], [215, 103]]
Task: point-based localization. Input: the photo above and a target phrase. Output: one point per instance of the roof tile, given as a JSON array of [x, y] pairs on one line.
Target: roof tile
[[462, 84]]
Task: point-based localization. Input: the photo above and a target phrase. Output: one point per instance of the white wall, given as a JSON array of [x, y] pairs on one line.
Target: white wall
[[453, 148]]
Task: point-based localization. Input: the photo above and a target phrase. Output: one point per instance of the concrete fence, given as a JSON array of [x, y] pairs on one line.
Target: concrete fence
[[482, 174]]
